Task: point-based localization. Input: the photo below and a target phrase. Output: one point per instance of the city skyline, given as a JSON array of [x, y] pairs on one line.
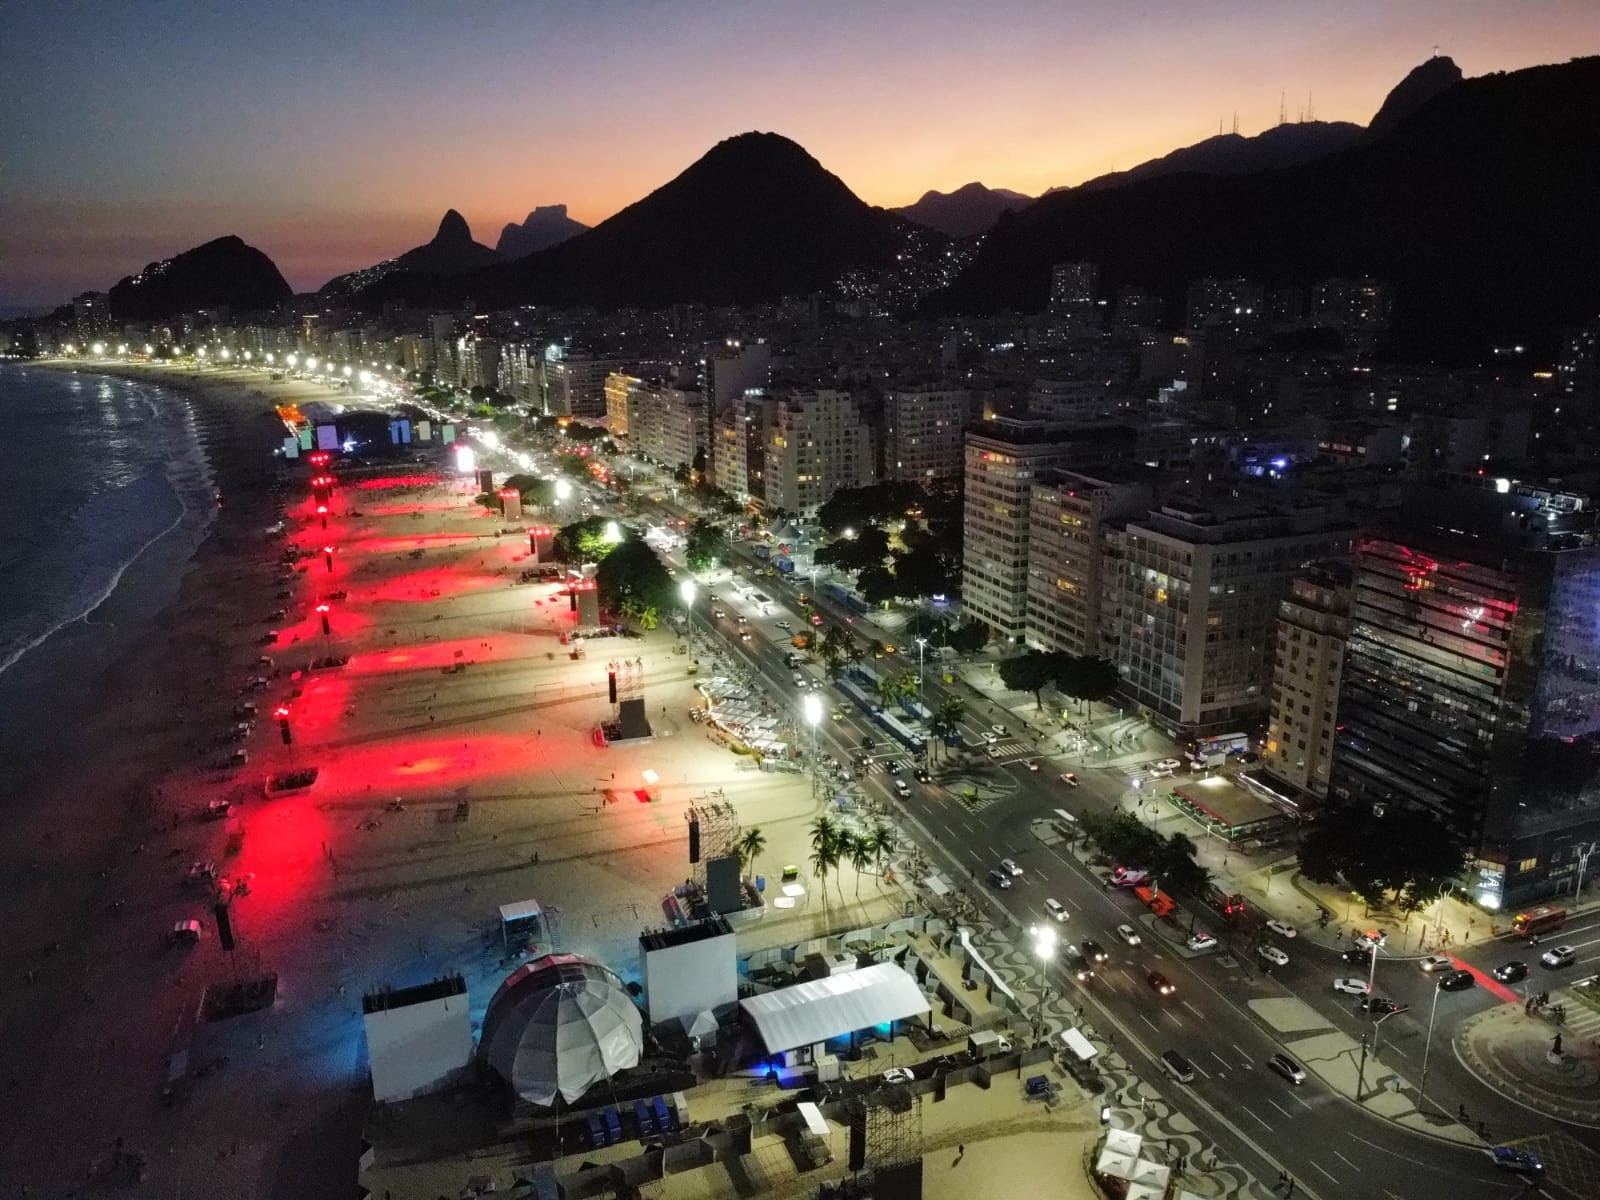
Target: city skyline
[[352, 157]]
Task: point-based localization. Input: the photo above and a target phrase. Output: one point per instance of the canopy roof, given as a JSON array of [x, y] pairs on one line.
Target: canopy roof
[[821, 1009]]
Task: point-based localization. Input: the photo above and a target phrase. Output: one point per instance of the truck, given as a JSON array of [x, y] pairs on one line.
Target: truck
[[1544, 919], [986, 1043], [1155, 900]]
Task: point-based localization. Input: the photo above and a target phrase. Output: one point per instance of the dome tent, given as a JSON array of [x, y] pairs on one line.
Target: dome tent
[[559, 1025]]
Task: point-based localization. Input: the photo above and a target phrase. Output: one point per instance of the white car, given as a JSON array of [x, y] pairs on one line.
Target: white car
[[993, 752], [1202, 941], [1438, 962], [1559, 956], [990, 738], [1273, 955], [999, 729], [1281, 928], [1351, 987], [1010, 867], [1129, 934], [898, 1075], [1068, 778], [784, 625], [1168, 765], [1056, 909], [1032, 764], [718, 613]]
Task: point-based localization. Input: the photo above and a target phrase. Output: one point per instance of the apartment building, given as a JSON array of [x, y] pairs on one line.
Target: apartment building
[[1308, 659], [1202, 584], [817, 443], [923, 431]]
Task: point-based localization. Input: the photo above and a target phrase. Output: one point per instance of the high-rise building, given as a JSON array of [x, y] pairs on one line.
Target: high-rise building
[[1003, 457], [1072, 288], [923, 428], [1313, 625], [1201, 588], [618, 385], [663, 423], [1070, 557], [816, 444], [1359, 307], [738, 456], [1137, 309], [477, 361], [733, 369], [1471, 685], [91, 314], [575, 382]]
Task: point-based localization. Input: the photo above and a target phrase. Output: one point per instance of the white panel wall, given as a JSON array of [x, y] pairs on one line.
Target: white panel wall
[[684, 981], [419, 1048]]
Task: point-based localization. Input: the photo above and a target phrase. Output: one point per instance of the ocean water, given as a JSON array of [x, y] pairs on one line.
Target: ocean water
[[98, 472]]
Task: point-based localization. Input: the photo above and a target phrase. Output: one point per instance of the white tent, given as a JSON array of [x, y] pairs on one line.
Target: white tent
[[559, 1025], [821, 1009]]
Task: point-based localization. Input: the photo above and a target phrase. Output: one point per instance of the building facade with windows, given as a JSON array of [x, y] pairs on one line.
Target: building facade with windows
[[1313, 626], [923, 432], [1071, 557], [1202, 582], [817, 443]]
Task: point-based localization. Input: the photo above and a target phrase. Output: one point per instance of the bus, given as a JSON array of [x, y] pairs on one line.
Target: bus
[[912, 739], [1536, 921]]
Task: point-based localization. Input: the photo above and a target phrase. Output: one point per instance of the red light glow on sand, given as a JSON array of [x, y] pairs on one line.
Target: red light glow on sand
[[433, 656], [398, 481], [435, 585]]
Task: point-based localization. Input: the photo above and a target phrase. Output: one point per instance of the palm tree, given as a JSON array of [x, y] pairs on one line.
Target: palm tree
[[751, 845], [881, 841], [823, 832], [824, 857], [858, 850]]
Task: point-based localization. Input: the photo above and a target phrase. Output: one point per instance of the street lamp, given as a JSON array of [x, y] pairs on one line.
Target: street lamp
[[563, 490], [686, 590], [811, 710], [921, 642], [1583, 853], [1361, 1071], [1044, 948], [1427, 1045]]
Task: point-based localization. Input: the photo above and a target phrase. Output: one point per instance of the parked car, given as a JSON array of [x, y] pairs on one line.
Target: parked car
[[1160, 983], [1511, 972], [1351, 987], [1129, 935], [1010, 867], [1372, 937], [1055, 908], [1438, 962], [1273, 955], [1287, 1067], [1456, 981], [999, 729], [898, 1075], [1559, 956], [1202, 941], [1281, 928]]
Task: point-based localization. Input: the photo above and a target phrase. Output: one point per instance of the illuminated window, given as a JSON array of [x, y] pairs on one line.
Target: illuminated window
[[1527, 864]]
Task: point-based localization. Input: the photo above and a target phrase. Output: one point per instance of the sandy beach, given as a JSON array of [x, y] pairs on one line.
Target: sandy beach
[[459, 700]]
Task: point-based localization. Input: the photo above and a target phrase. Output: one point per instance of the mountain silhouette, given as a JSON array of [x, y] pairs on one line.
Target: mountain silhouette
[[1235, 154], [1421, 84], [1478, 207], [756, 218], [451, 252], [224, 273], [546, 226], [967, 210]]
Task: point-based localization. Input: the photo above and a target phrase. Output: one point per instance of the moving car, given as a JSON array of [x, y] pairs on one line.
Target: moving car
[[1160, 983], [785, 626], [184, 933], [1559, 956], [1281, 928], [1032, 764], [1438, 962], [1168, 764], [1287, 1067], [999, 878], [1068, 778], [718, 613], [1511, 972], [1509, 1158], [922, 775], [1129, 934], [1176, 1065], [1273, 955], [902, 788], [1055, 908], [1351, 987], [1380, 1005], [993, 752], [1357, 956], [1093, 950], [1080, 966], [1010, 867], [1456, 981], [1202, 941], [894, 767], [1372, 937]]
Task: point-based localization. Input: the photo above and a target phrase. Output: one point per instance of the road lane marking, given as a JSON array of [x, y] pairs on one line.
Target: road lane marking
[[1301, 1102], [1245, 1057], [1319, 1167], [1204, 1073], [1258, 1120], [1225, 1063], [1194, 1010], [1279, 1107], [1346, 1161], [1149, 1022]]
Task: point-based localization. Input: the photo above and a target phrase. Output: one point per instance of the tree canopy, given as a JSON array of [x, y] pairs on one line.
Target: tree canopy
[[705, 546], [1123, 838], [632, 579], [582, 541], [1406, 853], [861, 507], [869, 548]]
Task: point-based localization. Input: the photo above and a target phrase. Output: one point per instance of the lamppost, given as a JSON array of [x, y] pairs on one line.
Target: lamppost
[[921, 643], [811, 710], [1583, 853], [1438, 913], [1361, 1071], [1427, 1046], [1044, 948]]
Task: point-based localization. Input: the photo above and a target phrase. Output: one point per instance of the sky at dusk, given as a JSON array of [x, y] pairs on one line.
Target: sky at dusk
[[335, 135]]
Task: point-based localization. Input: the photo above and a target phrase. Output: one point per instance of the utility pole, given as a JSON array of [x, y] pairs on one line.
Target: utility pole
[[1427, 1046], [1583, 853]]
